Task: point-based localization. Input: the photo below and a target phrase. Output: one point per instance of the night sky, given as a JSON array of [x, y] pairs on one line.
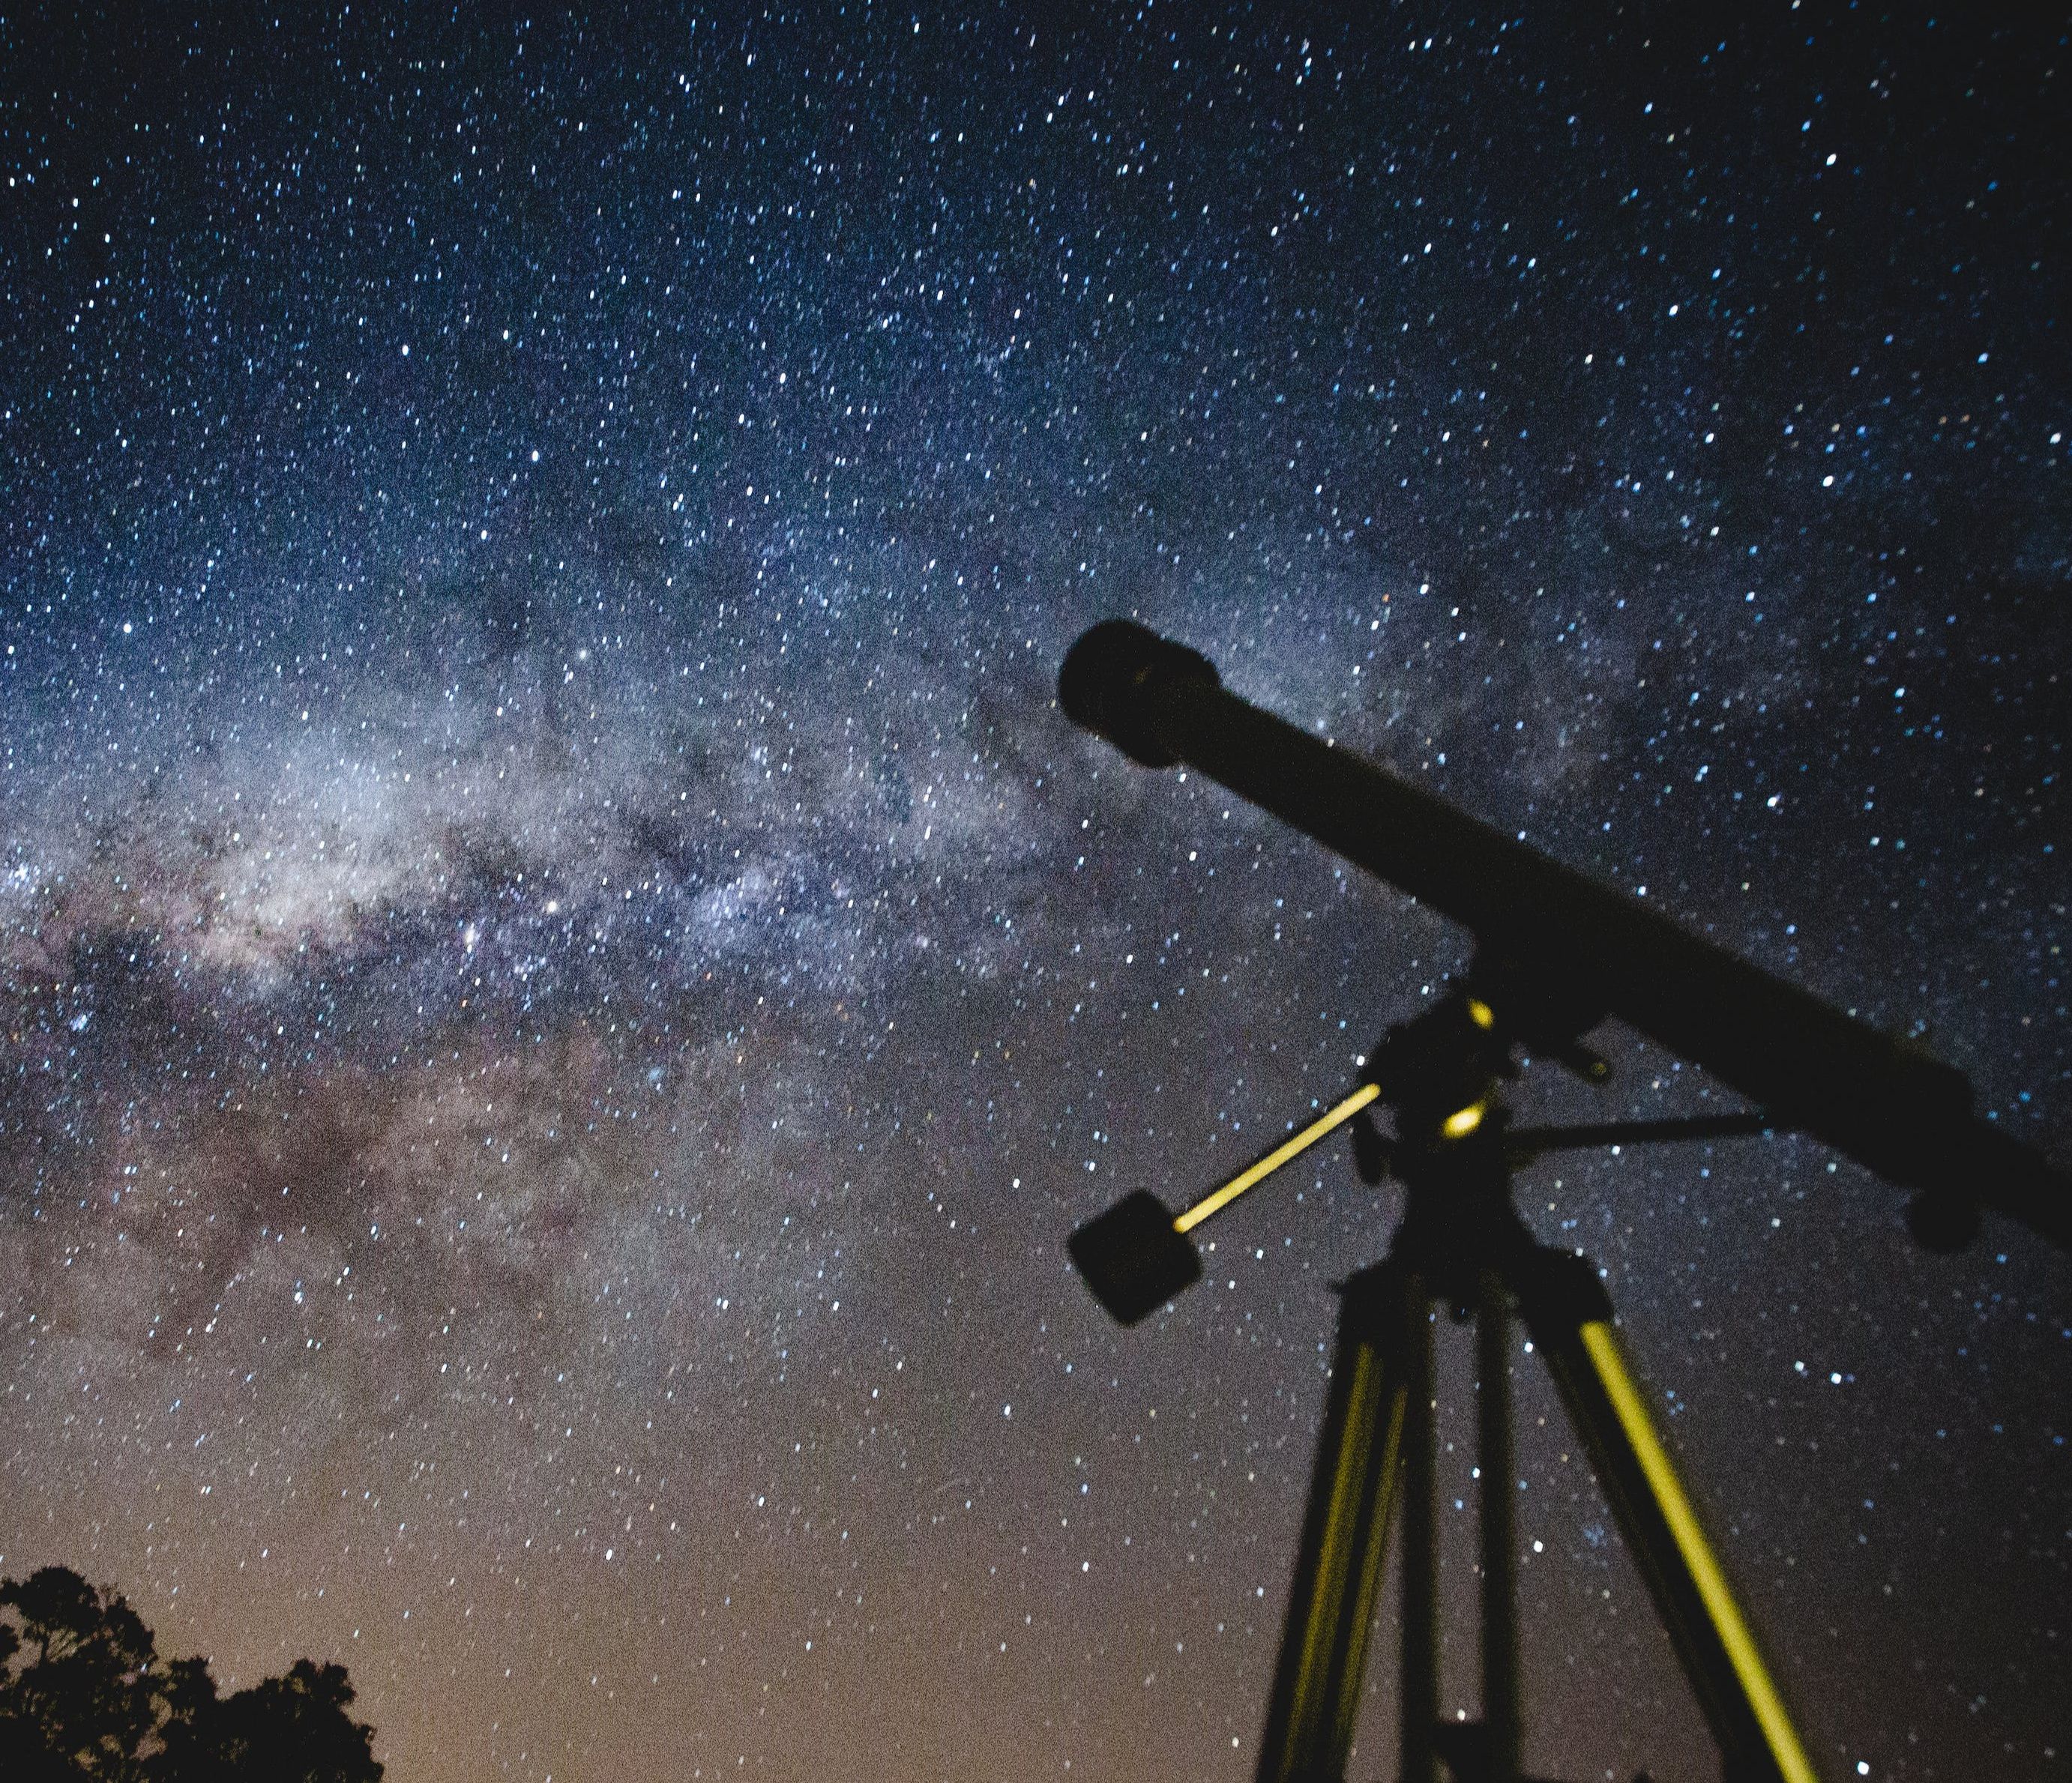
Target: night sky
[[563, 979]]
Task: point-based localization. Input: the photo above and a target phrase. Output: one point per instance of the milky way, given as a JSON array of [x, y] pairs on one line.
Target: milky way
[[563, 980]]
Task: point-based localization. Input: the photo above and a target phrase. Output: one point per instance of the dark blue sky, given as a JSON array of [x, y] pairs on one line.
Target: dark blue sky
[[562, 980]]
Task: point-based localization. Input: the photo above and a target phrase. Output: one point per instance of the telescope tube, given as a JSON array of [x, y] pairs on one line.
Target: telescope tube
[[1574, 944]]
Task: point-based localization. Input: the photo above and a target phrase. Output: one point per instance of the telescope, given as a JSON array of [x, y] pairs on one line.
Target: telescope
[[1581, 950], [1555, 954]]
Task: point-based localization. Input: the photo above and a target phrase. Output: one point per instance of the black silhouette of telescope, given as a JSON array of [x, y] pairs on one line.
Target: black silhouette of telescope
[[1586, 952], [1554, 954]]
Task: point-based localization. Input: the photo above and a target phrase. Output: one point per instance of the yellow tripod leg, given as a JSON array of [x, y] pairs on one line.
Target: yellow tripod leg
[[1566, 1307], [1785, 1753]]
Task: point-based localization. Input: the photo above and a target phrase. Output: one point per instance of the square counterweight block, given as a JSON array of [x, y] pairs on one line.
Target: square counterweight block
[[1133, 1258]]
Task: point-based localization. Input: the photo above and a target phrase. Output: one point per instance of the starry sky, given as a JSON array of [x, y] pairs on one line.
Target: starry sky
[[563, 979]]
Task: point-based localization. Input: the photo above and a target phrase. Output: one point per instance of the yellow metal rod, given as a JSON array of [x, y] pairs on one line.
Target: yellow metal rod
[[1289, 1149], [1781, 1738]]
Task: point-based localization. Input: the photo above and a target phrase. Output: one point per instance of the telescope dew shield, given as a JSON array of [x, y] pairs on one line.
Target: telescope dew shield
[[1133, 1257], [1106, 676]]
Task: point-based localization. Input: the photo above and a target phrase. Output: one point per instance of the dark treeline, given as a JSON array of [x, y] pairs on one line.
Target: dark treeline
[[84, 1693]]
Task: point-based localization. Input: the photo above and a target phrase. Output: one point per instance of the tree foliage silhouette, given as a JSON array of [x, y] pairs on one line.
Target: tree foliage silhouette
[[83, 1695]]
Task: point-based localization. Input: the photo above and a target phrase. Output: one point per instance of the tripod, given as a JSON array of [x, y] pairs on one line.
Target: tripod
[[1462, 1247]]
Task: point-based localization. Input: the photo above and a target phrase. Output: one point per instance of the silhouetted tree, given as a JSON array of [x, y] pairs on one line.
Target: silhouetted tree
[[295, 1728], [83, 1695]]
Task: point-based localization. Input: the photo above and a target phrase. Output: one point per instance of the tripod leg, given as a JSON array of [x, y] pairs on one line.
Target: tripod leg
[[1501, 1717], [1420, 1707], [1345, 1531], [1570, 1316]]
